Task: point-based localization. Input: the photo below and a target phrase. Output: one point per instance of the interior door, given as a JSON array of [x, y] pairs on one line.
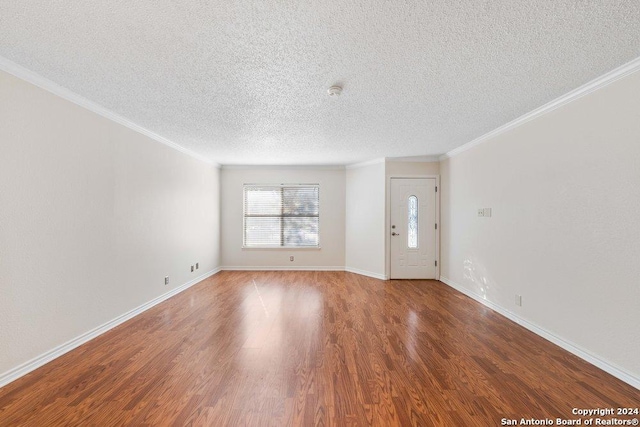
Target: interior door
[[413, 228]]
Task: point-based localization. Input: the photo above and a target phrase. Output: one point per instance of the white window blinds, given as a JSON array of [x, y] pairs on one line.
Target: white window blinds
[[281, 215]]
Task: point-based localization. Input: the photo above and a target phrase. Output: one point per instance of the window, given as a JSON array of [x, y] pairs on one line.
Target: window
[[412, 222], [281, 215]]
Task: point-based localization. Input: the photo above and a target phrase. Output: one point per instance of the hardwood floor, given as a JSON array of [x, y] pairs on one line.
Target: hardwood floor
[[312, 348]]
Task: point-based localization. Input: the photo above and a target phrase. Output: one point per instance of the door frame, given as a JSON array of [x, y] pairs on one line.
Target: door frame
[[387, 225]]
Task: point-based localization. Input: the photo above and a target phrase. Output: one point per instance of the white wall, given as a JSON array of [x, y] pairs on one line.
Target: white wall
[[411, 169], [565, 193], [332, 216], [365, 220], [92, 217]]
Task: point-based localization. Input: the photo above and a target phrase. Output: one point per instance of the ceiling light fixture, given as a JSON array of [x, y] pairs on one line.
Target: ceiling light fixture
[[335, 91]]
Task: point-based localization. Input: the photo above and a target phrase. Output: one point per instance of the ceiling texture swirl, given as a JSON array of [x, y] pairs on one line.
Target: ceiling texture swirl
[[245, 82]]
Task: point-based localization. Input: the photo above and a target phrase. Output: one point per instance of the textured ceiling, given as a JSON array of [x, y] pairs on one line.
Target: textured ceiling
[[245, 82]]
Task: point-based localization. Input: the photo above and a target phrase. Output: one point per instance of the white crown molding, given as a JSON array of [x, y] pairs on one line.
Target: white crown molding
[[617, 372], [367, 163], [35, 363], [593, 85], [64, 93], [281, 167]]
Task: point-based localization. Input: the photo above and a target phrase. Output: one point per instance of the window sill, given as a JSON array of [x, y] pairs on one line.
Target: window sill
[[280, 248]]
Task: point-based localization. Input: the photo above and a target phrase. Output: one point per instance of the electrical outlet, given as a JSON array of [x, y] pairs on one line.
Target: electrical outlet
[[197, 265], [166, 280], [291, 258], [519, 300], [480, 212], [192, 268]]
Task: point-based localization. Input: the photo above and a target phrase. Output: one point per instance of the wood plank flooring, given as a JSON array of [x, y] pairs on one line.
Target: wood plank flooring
[[312, 348]]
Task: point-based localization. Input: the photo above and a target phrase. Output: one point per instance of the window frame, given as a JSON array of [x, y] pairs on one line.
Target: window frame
[[282, 217]]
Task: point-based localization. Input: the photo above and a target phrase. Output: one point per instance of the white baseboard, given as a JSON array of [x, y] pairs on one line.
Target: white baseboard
[[366, 273], [35, 363], [567, 345], [303, 268], [281, 268]]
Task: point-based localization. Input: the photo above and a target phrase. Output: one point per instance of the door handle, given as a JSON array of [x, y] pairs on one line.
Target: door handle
[[395, 234]]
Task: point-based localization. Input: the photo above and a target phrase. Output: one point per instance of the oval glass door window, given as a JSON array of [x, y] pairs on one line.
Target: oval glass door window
[[412, 222]]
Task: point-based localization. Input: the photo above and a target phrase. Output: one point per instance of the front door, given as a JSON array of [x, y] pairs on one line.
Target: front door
[[413, 228]]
